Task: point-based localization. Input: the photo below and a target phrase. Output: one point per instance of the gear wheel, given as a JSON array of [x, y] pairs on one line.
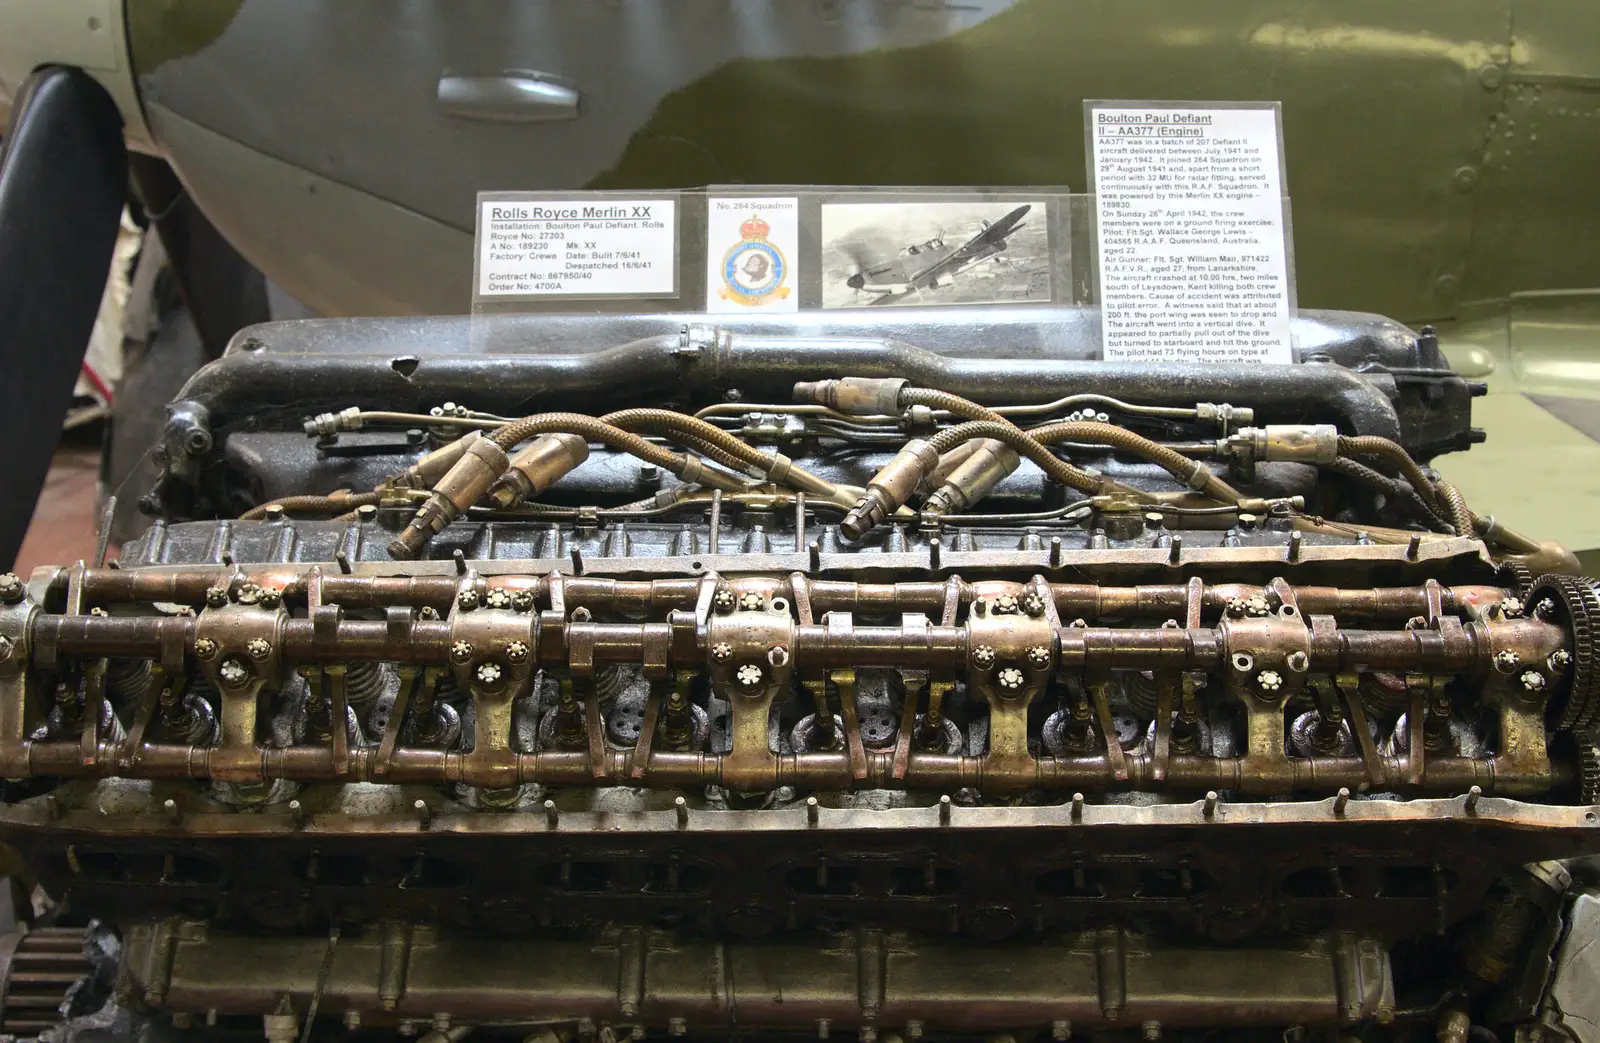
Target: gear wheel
[[1515, 576], [1588, 769], [1576, 704]]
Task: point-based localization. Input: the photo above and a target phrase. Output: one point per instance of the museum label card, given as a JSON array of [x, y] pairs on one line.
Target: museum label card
[[752, 254], [1194, 259], [595, 246]]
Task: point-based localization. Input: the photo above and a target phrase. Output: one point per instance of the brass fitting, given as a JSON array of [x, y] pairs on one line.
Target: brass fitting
[[1297, 443], [460, 488], [539, 465], [433, 466], [975, 477], [890, 488], [858, 396]]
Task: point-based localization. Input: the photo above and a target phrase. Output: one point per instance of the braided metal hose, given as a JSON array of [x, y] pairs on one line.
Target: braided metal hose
[[1375, 445], [341, 501], [1192, 473]]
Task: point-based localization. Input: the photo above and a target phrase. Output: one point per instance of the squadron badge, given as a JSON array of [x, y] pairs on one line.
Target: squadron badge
[[754, 269]]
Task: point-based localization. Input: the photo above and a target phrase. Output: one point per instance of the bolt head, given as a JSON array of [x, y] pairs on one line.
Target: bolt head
[[249, 594], [1033, 603], [1545, 609], [722, 651], [1256, 606], [270, 597], [99, 613], [467, 599], [1236, 608], [204, 647], [258, 648], [461, 651], [488, 673], [748, 675], [498, 599], [1299, 662], [1532, 681], [1079, 624], [427, 612], [1511, 608], [234, 671], [1269, 680], [11, 588], [723, 600], [1039, 657], [1010, 678], [1003, 605], [522, 601], [1560, 660], [752, 602], [517, 652], [216, 597], [778, 656], [983, 657], [1506, 660]]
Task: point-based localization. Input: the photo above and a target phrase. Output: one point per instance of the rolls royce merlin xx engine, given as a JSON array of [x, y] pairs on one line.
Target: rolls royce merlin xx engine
[[836, 675]]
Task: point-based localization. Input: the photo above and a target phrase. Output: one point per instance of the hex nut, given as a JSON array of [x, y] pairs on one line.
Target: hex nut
[[752, 602], [204, 648], [1545, 609], [1003, 605], [427, 612], [748, 675], [234, 671], [467, 599], [11, 588], [1009, 678], [517, 652], [1532, 680], [1506, 660], [1511, 608], [722, 651], [1256, 606], [498, 599], [258, 647], [488, 673], [983, 657], [99, 613], [522, 601], [270, 597], [1079, 624], [1039, 656], [216, 597], [1269, 680], [723, 600], [1560, 661], [1033, 603], [249, 594], [1236, 608], [461, 651]]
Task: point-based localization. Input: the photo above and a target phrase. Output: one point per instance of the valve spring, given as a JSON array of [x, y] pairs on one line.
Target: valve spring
[[127, 679], [363, 683], [1139, 686], [1383, 695], [608, 681]]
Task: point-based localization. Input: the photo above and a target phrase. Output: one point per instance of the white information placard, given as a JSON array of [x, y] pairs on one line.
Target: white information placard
[[1193, 248], [752, 254], [579, 247]]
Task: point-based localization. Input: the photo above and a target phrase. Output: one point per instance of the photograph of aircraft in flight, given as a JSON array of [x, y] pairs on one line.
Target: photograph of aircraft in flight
[[909, 253]]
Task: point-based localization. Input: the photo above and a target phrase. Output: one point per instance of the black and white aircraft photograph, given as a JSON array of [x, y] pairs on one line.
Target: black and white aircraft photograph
[[910, 253]]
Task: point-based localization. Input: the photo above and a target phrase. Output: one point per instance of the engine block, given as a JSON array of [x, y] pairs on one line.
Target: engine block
[[1204, 724]]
